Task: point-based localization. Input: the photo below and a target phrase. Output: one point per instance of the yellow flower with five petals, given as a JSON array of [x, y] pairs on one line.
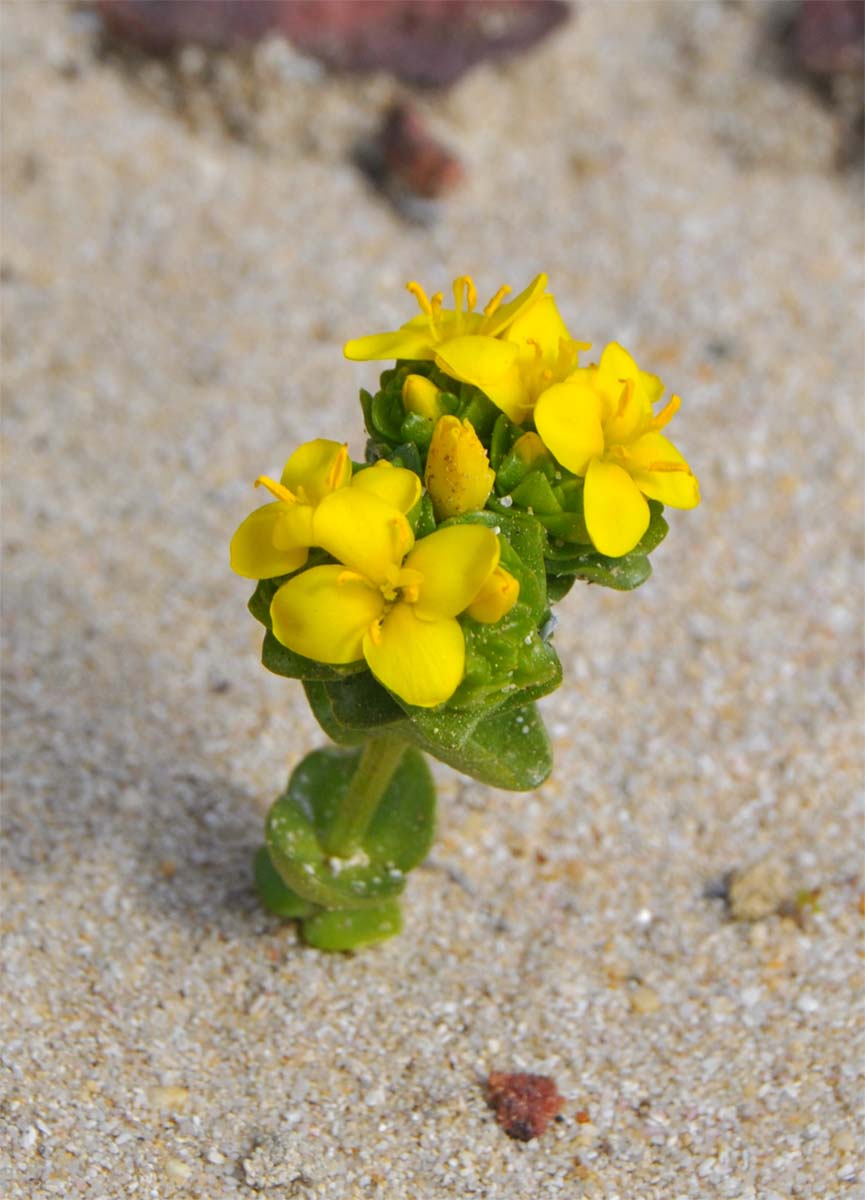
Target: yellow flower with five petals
[[600, 424], [390, 601], [275, 539]]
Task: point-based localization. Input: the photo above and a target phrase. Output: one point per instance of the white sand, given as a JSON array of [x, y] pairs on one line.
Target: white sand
[[175, 302]]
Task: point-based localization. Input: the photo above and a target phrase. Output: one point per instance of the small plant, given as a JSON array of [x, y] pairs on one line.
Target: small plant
[[412, 593]]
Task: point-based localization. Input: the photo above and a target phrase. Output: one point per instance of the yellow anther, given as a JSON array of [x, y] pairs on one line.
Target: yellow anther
[[464, 287], [276, 489], [669, 467], [496, 300], [667, 412], [625, 398], [421, 297], [335, 473]]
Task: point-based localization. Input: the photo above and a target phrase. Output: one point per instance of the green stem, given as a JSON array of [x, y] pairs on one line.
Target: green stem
[[380, 758]]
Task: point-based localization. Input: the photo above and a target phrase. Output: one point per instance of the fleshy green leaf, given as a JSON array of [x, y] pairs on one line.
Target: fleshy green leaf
[[350, 930], [508, 750], [398, 837], [273, 893]]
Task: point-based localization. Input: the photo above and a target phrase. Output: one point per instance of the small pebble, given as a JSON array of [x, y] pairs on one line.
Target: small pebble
[[524, 1104], [178, 1170], [173, 1098], [756, 891], [843, 1141], [645, 1000]]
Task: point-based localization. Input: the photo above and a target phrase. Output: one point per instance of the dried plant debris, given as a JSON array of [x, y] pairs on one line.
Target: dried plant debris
[[825, 43], [425, 42], [409, 164], [524, 1104]]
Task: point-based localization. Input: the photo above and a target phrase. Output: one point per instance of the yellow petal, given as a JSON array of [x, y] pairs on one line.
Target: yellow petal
[[660, 471], [455, 563], [530, 449], [568, 418], [421, 661], [324, 612], [293, 527], [254, 553], [499, 320], [491, 365], [458, 474], [395, 485], [316, 469], [542, 325], [617, 365], [616, 512], [421, 396], [363, 531], [411, 343], [497, 596]]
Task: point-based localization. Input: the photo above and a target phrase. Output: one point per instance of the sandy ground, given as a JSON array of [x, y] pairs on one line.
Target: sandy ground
[[181, 263]]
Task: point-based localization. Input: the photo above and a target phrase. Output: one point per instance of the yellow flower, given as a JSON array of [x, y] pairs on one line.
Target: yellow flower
[[600, 424], [390, 601], [275, 539], [422, 337], [458, 474], [533, 353]]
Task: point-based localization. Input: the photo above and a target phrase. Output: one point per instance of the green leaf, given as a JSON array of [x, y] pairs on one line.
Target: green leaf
[[360, 702], [399, 835], [509, 750], [322, 710], [282, 661], [350, 930], [273, 893]]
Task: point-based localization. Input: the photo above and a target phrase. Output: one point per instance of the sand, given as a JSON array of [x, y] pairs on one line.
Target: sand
[[181, 262]]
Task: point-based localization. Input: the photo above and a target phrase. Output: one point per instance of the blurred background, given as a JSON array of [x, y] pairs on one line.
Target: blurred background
[[202, 201]]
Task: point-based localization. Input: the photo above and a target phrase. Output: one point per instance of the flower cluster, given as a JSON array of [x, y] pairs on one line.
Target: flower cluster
[[499, 470], [598, 422]]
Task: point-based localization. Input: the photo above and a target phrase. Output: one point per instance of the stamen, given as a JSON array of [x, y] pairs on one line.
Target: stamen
[[668, 467], [465, 295], [435, 311], [496, 300], [276, 489], [667, 412], [536, 345], [624, 399], [421, 297], [338, 467]]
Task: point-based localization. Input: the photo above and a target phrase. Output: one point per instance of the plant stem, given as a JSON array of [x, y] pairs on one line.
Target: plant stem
[[380, 758]]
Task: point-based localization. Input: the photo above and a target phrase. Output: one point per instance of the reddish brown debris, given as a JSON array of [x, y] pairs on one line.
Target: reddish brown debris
[[413, 157], [830, 36], [429, 42], [524, 1104]]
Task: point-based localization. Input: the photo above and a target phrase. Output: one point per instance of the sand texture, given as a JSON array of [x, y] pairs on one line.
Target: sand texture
[[184, 252]]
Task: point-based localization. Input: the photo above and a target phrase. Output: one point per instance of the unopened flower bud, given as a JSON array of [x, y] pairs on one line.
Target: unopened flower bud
[[458, 474], [497, 597], [421, 396]]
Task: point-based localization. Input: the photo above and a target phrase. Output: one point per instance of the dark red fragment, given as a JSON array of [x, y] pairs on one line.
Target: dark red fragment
[[524, 1104], [413, 158], [427, 42], [830, 36]]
